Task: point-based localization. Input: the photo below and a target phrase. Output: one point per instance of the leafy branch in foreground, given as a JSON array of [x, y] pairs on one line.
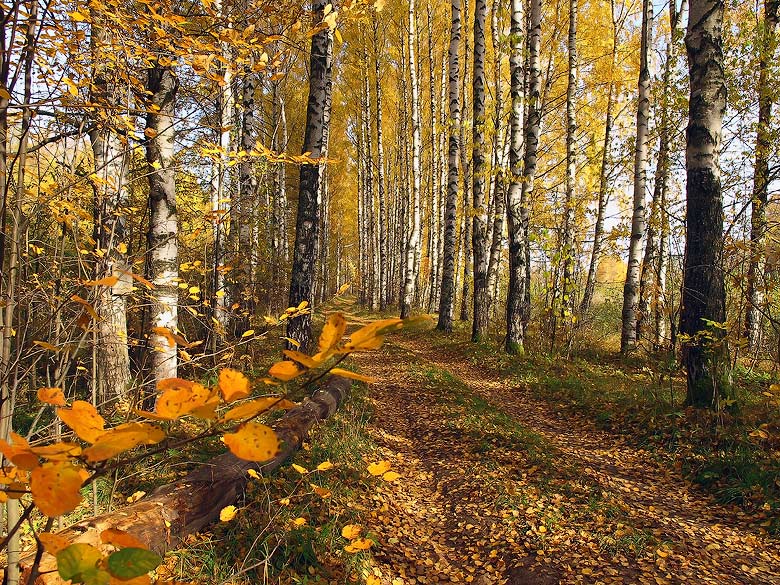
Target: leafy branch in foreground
[[54, 474]]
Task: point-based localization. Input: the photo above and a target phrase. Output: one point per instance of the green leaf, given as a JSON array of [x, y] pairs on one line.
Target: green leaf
[[130, 563], [77, 560], [96, 577]]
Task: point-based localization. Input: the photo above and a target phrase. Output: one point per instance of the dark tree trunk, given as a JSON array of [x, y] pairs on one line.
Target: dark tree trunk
[[307, 219], [704, 294], [447, 299]]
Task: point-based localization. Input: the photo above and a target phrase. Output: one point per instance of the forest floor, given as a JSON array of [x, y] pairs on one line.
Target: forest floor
[[497, 486]]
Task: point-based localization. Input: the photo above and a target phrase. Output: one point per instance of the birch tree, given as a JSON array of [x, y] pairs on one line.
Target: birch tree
[[413, 243], [761, 175], [522, 182], [628, 335], [307, 218], [447, 299], [703, 309], [479, 229], [163, 265]]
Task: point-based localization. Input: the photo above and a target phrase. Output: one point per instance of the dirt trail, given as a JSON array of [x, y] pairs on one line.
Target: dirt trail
[[477, 503]]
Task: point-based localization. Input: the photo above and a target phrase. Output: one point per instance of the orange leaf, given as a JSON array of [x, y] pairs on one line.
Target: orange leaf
[[332, 332], [55, 487], [351, 531], [250, 409], [285, 370], [234, 385], [253, 442], [53, 543], [53, 396], [85, 421], [180, 397], [372, 335], [18, 452], [58, 451], [352, 375], [106, 281], [379, 468], [121, 439], [120, 539], [86, 305], [303, 359]]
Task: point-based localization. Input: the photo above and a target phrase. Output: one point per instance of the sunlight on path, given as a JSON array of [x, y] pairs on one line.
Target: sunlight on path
[[477, 503]]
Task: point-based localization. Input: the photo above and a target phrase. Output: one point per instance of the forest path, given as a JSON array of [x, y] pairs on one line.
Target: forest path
[[496, 487]]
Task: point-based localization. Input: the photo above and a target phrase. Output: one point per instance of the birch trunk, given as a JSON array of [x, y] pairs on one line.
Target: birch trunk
[[479, 229], [465, 162], [307, 218], [163, 262], [384, 282], [247, 197], [761, 175], [410, 279], [111, 160], [704, 294], [628, 336], [447, 299], [498, 191], [521, 171], [567, 236]]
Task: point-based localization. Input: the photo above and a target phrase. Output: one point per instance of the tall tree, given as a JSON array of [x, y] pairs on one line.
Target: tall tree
[[761, 176], [384, 276], [522, 169], [413, 243], [112, 198], [704, 294], [628, 335], [479, 229], [307, 217], [567, 230], [163, 264], [447, 299]]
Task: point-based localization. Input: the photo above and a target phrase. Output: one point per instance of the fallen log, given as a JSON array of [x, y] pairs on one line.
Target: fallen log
[[162, 519]]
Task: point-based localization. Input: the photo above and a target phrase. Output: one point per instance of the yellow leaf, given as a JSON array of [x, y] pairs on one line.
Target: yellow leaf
[[285, 370], [253, 474], [320, 491], [253, 442], [358, 545], [352, 375], [233, 384], [332, 332], [391, 476], [372, 335], [85, 421], [250, 409], [302, 358], [121, 439], [77, 16], [180, 397], [46, 345], [57, 451], [373, 580], [4, 93], [379, 468], [227, 513], [18, 452], [53, 396], [248, 333], [351, 531], [53, 543], [299, 469], [299, 522], [55, 487], [120, 539], [343, 288], [121, 247], [324, 466], [135, 496]]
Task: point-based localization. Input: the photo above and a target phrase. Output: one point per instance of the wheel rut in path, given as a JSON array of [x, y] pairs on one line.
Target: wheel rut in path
[[477, 501]]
